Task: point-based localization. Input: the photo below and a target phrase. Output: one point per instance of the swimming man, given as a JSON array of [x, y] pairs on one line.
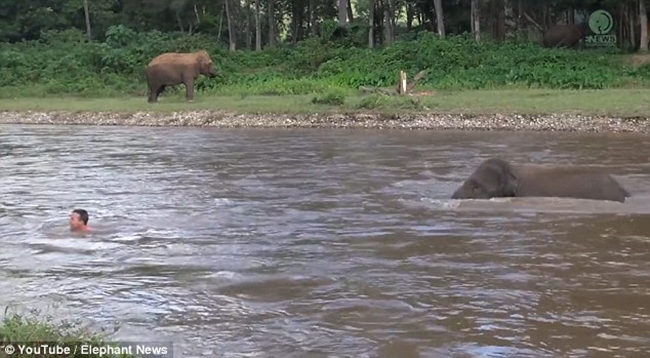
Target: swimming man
[[79, 220]]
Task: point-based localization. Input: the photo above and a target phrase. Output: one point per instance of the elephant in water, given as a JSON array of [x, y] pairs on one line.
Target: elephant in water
[[496, 177]]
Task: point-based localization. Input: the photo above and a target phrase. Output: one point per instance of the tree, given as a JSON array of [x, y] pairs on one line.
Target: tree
[[87, 16], [271, 20], [475, 19], [232, 36], [258, 27], [439, 17], [343, 12], [643, 20], [295, 20]]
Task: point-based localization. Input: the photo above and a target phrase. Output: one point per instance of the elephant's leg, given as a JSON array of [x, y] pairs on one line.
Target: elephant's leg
[[160, 90], [154, 91], [189, 89]]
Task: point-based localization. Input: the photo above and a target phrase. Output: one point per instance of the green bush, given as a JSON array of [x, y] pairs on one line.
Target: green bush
[[17, 330], [384, 102], [62, 63], [335, 98]]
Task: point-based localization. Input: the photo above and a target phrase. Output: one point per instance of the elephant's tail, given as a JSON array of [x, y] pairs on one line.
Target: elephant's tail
[[147, 77]]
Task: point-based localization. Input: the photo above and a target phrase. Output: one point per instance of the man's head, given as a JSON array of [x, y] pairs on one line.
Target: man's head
[[78, 220]]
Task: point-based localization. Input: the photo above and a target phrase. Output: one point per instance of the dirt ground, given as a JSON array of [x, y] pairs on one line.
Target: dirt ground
[[638, 59]]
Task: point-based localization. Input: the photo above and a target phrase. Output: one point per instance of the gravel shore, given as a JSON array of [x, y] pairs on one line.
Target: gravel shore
[[550, 122]]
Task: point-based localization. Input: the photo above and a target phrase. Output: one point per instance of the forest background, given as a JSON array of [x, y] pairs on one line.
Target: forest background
[[99, 48]]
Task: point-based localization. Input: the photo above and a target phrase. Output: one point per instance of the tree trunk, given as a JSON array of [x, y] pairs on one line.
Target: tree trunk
[[300, 29], [393, 18], [179, 21], [509, 21], [231, 27], [380, 16], [520, 15], [221, 21], [350, 14], [258, 27], [389, 33], [196, 13], [621, 31], [409, 16], [371, 24], [498, 13], [295, 18], [271, 24], [343, 12], [312, 18], [631, 22], [475, 15], [87, 14], [249, 35], [643, 19], [439, 18]]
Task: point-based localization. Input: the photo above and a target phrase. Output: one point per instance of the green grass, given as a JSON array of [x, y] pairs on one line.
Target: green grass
[[17, 329], [621, 102]]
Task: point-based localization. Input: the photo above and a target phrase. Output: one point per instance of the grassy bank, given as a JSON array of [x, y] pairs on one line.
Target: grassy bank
[[16, 330], [62, 63], [615, 102]]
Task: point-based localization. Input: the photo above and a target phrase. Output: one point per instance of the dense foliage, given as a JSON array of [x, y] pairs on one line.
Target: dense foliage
[[32, 331], [237, 22], [64, 63]]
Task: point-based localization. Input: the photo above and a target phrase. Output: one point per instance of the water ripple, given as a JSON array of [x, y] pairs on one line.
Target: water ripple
[[264, 243]]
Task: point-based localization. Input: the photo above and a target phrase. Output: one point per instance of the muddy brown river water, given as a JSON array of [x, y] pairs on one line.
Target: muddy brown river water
[[324, 243]]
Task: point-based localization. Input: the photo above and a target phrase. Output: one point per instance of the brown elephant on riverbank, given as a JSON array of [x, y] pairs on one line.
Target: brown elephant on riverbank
[[496, 177], [173, 68], [561, 35], [565, 35]]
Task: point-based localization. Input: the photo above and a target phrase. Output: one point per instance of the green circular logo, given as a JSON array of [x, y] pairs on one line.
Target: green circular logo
[[601, 22]]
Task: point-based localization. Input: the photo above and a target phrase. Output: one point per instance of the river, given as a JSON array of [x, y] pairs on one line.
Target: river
[[324, 243]]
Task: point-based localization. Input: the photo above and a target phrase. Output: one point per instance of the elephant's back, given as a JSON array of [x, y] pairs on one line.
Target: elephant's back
[[554, 169], [171, 57], [562, 31], [569, 181]]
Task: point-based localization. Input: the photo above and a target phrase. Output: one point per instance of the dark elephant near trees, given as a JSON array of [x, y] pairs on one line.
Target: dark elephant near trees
[[565, 35], [496, 177], [173, 68]]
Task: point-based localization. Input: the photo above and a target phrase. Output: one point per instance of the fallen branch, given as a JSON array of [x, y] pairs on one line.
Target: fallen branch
[[416, 79], [538, 26], [386, 91], [403, 87]]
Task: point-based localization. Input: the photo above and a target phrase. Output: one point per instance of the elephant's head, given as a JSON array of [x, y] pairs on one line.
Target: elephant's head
[[493, 178], [205, 64]]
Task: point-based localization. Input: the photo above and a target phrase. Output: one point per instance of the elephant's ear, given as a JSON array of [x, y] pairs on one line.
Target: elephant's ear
[[510, 184], [204, 58]]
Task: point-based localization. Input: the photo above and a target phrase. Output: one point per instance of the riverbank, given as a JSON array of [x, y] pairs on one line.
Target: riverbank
[[619, 110], [63, 339]]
